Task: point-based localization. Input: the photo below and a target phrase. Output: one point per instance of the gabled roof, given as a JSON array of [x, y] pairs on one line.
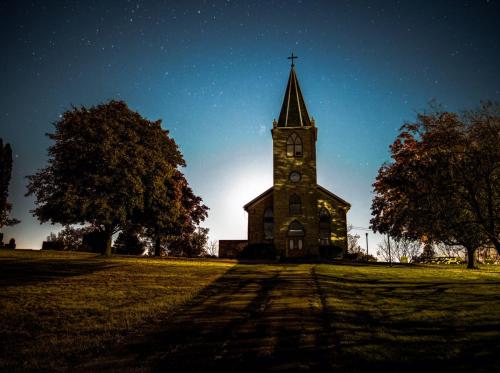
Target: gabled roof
[[319, 187], [328, 193], [258, 198], [293, 111]]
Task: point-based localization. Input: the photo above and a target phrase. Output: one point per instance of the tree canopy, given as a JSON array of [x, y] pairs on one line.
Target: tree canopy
[[443, 183], [5, 176], [108, 167]]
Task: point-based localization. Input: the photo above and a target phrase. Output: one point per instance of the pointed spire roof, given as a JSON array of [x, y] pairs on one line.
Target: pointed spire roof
[[293, 111]]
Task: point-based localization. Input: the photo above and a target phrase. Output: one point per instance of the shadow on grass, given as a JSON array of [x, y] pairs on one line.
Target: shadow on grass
[[248, 319], [17, 272], [399, 325], [293, 317]]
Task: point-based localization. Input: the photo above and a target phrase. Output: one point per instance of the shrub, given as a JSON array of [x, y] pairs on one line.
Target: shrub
[[359, 257], [492, 261], [53, 245], [331, 251], [258, 251], [94, 242], [439, 260], [128, 242]]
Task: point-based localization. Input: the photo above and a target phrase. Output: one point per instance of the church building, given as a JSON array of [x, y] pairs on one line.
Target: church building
[[296, 215]]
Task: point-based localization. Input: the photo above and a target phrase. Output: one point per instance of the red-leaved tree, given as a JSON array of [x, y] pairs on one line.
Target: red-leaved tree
[[443, 183]]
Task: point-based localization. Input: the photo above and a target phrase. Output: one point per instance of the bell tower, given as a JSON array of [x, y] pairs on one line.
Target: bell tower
[[296, 222]]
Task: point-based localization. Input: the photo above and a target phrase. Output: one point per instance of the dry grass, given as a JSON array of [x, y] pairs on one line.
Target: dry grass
[[438, 317], [56, 308], [74, 310]]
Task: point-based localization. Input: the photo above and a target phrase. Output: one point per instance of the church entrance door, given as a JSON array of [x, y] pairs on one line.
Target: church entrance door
[[295, 239], [295, 244]]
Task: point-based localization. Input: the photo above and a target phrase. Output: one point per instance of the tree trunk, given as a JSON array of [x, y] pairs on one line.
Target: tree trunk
[[471, 260], [157, 245], [108, 235], [496, 243]]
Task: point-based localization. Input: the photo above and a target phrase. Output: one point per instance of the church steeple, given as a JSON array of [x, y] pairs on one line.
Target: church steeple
[[293, 111]]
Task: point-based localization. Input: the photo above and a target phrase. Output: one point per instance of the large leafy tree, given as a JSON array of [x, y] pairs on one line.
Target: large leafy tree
[[443, 184], [5, 175], [174, 218], [170, 206], [104, 163]]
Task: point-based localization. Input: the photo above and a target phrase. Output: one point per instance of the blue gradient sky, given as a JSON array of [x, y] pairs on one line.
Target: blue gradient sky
[[215, 72]]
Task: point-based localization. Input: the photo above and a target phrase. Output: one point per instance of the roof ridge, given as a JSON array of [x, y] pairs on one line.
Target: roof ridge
[[245, 207]]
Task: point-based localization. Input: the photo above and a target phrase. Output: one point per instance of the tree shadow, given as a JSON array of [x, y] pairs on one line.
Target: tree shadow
[[246, 320], [281, 317], [17, 272], [399, 325]]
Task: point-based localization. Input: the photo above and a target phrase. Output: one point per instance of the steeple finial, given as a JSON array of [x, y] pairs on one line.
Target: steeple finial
[[292, 57]]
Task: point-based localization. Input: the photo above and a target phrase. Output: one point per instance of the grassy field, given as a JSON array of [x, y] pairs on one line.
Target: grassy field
[[59, 308], [414, 318], [85, 313]]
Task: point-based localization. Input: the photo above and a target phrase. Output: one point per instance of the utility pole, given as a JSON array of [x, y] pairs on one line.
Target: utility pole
[[366, 234], [389, 246]]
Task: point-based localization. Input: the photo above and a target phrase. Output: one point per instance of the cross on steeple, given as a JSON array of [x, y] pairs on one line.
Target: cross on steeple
[[292, 57]]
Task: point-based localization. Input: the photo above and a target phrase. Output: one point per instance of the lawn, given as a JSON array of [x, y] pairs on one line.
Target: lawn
[[59, 308], [81, 312], [435, 317]]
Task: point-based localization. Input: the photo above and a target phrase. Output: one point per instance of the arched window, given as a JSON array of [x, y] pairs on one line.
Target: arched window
[[295, 205], [324, 226], [294, 146], [295, 229], [324, 215], [268, 223]]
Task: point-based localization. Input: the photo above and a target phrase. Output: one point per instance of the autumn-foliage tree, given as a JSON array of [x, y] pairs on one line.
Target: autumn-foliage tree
[[5, 175], [171, 210], [188, 239], [443, 184], [189, 244], [105, 167]]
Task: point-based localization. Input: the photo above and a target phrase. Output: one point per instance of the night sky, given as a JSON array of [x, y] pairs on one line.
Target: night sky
[[215, 72]]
